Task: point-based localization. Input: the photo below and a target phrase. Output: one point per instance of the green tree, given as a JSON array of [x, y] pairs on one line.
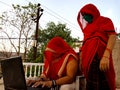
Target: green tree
[[45, 35]]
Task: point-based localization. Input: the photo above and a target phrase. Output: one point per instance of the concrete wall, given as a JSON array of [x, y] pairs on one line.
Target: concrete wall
[[116, 60]]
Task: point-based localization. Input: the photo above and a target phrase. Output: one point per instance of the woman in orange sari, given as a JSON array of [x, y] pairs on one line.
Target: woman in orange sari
[[96, 53], [60, 66]]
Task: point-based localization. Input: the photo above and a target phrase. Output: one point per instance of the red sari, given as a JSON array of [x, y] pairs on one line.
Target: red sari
[[95, 41], [57, 54]]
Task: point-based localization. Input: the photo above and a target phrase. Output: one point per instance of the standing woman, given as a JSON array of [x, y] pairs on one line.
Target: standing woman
[[96, 53]]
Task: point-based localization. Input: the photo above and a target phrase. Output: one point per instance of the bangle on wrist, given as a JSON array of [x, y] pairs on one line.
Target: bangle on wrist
[[54, 83], [110, 51], [105, 56]]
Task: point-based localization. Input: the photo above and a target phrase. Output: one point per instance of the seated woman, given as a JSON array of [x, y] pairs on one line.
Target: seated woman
[[60, 66]]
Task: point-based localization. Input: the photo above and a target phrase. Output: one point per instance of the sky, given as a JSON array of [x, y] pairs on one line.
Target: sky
[[65, 11]]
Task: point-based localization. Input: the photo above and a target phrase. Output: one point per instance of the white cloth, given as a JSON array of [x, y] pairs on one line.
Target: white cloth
[[83, 21], [68, 87]]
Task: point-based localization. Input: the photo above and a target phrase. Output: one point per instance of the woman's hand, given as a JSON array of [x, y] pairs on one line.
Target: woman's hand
[[104, 63], [43, 83], [43, 78], [29, 82]]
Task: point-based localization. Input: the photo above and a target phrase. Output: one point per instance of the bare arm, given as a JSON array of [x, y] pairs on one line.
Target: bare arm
[[104, 63], [72, 68]]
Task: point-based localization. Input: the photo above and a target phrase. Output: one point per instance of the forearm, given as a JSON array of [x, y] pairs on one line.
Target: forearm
[[111, 42], [110, 45], [64, 80], [71, 72], [104, 62]]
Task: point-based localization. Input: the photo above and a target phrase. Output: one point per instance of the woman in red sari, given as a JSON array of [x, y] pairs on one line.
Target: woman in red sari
[[96, 52], [60, 66]]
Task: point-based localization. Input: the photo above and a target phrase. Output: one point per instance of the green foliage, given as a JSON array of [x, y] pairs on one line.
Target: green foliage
[[53, 30], [29, 10]]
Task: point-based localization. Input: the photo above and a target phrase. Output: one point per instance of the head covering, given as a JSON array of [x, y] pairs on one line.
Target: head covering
[[98, 24], [58, 45], [57, 55], [88, 9]]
